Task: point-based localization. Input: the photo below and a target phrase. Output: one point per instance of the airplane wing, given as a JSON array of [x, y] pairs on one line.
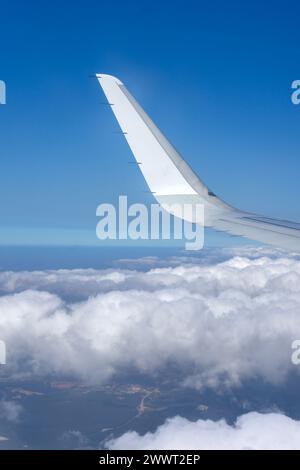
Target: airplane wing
[[171, 179]]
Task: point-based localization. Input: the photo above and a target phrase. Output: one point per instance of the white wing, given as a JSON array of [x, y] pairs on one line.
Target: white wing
[[171, 180]]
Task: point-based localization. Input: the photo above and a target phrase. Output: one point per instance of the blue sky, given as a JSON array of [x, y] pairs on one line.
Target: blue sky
[[215, 77]]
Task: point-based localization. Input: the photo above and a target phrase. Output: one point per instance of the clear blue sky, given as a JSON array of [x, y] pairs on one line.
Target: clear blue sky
[[215, 76]]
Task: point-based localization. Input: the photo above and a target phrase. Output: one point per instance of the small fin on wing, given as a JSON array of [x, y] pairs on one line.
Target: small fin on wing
[[164, 170]]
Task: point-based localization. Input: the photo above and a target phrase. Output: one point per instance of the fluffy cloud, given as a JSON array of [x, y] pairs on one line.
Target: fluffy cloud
[[217, 322], [74, 439], [10, 410], [250, 431]]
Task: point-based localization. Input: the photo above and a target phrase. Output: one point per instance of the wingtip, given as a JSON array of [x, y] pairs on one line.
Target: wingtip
[[106, 77]]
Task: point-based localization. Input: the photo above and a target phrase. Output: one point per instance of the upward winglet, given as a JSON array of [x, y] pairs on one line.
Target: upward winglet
[[164, 170]]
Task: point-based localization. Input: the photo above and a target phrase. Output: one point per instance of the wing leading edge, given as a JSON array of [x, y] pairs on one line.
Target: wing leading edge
[[171, 179]]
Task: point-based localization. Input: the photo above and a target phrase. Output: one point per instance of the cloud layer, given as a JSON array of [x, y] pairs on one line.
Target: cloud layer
[[218, 323], [254, 431], [10, 410]]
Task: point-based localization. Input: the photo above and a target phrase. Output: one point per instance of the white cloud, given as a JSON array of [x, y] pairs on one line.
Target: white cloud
[[220, 322], [250, 431], [10, 410], [74, 439]]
